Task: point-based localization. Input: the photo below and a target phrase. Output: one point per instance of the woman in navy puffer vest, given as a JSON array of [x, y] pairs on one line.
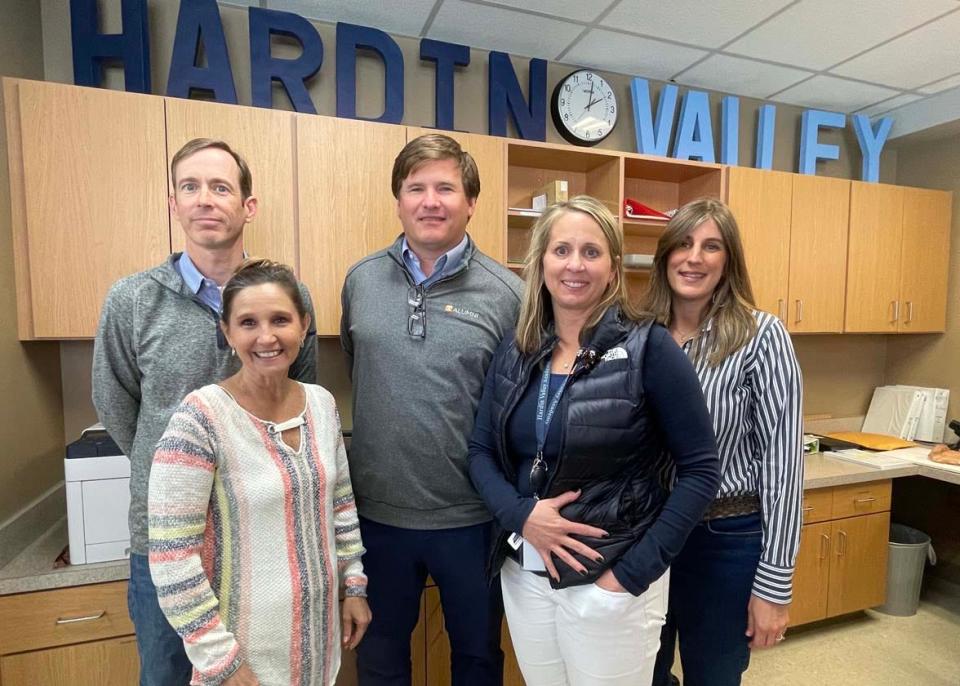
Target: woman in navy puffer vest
[[584, 413]]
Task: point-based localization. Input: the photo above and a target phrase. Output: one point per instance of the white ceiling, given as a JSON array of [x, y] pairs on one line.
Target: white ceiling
[[866, 56]]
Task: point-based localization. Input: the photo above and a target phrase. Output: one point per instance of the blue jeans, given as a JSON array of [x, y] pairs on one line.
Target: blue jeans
[[163, 661], [710, 585], [396, 563]]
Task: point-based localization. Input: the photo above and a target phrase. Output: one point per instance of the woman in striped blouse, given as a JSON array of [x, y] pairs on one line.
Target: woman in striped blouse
[[731, 585], [252, 524]]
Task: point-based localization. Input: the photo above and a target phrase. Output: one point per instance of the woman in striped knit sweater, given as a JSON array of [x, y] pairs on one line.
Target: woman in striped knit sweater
[[253, 527]]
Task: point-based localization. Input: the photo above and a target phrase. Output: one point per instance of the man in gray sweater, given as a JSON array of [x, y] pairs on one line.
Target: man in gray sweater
[[159, 339], [421, 320]]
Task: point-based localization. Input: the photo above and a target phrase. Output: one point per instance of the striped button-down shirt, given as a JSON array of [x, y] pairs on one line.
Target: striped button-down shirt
[[755, 397]]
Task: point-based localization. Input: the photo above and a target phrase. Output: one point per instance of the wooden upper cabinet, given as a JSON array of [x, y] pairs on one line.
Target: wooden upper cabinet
[[264, 138], [487, 226], [761, 202], [925, 259], [873, 257], [818, 254], [347, 210], [89, 199]]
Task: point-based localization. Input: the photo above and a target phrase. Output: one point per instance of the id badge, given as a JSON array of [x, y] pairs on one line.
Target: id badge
[[532, 562]]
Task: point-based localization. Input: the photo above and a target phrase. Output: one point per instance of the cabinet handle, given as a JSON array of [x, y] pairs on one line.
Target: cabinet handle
[[896, 309], [842, 545], [799, 311], [780, 312], [808, 508], [860, 501], [824, 546], [909, 312], [74, 620]]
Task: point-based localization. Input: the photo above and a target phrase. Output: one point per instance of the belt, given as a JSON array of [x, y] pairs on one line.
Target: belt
[[732, 506]]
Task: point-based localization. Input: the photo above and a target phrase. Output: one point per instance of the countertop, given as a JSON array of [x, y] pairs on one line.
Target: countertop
[[33, 569]]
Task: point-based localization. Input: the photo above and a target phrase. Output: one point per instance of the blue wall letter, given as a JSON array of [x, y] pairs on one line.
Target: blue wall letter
[[505, 92], [653, 137], [292, 73], [447, 56], [199, 22], [766, 129], [91, 48], [695, 138], [730, 136], [871, 144], [351, 38], [810, 149]]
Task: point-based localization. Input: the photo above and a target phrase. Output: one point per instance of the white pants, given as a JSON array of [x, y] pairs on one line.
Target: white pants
[[582, 635]]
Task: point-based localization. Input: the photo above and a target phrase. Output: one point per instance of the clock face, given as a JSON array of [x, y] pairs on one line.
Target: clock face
[[584, 108]]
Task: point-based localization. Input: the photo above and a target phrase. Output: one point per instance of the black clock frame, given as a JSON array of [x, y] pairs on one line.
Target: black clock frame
[[558, 124]]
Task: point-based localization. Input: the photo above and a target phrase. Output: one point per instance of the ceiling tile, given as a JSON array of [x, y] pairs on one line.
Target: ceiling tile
[[830, 93], [942, 85], [740, 76], [568, 9], [927, 54], [632, 55], [891, 104], [707, 24], [377, 15], [495, 28], [817, 34]]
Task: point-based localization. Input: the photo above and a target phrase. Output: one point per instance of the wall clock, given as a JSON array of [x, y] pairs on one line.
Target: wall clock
[[584, 108]]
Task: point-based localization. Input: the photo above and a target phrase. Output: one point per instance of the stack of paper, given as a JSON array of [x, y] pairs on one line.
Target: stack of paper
[[868, 458]]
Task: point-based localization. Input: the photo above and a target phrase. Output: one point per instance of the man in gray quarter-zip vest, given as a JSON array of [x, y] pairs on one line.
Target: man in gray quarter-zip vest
[[159, 339], [421, 320]]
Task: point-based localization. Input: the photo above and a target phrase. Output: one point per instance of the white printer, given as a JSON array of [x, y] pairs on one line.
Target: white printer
[[98, 498]]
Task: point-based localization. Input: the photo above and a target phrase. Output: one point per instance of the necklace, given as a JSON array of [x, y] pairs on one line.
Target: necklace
[[686, 337]]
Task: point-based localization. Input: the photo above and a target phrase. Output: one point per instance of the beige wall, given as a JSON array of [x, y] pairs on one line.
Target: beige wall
[[30, 402]]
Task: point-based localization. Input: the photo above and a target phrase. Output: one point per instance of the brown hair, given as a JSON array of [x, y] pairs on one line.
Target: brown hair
[[732, 304], [256, 272], [430, 147], [198, 144], [535, 311]]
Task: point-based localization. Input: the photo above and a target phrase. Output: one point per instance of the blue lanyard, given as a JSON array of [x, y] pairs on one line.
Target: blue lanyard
[[545, 412]]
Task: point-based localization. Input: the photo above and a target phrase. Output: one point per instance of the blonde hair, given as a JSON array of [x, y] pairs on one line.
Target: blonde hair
[[536, 312], [732, 305]]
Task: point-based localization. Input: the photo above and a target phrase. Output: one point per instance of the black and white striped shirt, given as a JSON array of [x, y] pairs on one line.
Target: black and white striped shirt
[[755, 397]]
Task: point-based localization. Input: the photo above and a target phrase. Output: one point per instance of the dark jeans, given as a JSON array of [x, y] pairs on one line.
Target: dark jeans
[[710, 583], [163, 661], [396, 563]]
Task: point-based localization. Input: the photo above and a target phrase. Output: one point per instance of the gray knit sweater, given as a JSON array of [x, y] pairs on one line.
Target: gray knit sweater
[[156, 343], [414, 399]]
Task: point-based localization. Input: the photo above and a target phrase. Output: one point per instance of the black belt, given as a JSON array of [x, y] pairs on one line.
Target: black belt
[[732, 506]]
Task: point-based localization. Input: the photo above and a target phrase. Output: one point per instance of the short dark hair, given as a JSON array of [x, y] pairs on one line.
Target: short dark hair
[[430, 147], [198, 144], [256, 272]]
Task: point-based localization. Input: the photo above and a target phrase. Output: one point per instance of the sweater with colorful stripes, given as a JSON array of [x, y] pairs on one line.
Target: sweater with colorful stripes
[[251, 541]]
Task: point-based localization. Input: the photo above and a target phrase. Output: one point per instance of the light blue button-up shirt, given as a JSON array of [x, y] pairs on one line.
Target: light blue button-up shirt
[[444, 265], [206, 289]]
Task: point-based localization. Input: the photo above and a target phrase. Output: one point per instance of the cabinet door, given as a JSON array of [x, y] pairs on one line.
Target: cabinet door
[[858, 569], [264, 138], [924, 259], [346, 208], [818, 254], [93, 199], [812, 575], [761, 202], [488, 224], [111, 662], [873, 258]]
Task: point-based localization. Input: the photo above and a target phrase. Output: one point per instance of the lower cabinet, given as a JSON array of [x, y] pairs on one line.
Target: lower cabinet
[[75, 636], [842, 562]]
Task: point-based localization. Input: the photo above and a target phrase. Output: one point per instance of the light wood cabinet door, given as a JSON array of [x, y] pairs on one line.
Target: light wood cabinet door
[[487, 226], [264, 138], [812, 576], [925, 260], [93, 207], [761, 202], [111, 662], [347, 210], [818, 254], [858, 570]]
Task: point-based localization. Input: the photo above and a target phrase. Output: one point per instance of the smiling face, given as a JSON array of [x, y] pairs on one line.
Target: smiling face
[[207, 201], [265, 329], [433, 208], [695, 267], [577, 265]]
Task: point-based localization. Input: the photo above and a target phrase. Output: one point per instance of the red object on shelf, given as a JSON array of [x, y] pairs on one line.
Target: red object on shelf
[[634, 209]]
